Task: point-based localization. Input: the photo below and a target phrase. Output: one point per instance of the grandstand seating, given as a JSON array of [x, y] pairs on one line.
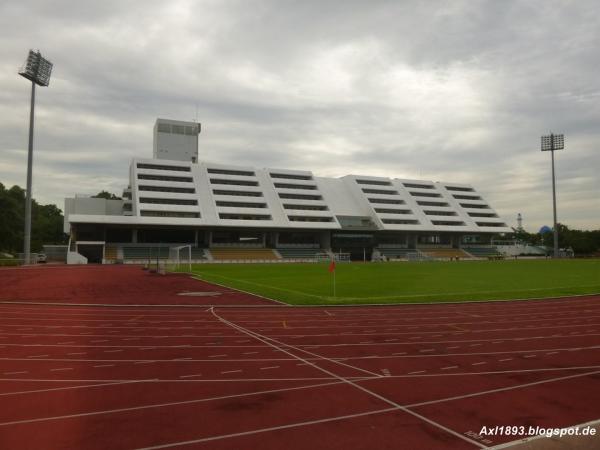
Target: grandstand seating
[[145, 253], [242, 254], [150, 252], [483, 252], [450, 253], [299, 253], [198, 254], [396, 253], [110, 253]]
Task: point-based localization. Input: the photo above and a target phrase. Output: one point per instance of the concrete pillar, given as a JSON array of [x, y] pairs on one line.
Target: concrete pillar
[[134, 236], [326, 240]]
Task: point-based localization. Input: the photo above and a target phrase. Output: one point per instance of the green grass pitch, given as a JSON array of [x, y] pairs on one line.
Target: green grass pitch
[[408, 282]]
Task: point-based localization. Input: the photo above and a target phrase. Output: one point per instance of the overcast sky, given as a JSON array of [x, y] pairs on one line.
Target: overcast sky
[[452, 91]]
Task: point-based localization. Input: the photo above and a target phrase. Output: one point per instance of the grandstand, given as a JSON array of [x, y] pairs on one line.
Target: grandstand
[[445, 253], [243, 254], [484, 252], [241, 213]]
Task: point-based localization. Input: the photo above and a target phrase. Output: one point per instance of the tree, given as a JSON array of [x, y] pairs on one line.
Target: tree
[[46, 222], [107, 195]]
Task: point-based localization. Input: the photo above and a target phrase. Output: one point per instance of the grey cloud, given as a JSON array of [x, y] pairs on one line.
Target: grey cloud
[[450, 91]]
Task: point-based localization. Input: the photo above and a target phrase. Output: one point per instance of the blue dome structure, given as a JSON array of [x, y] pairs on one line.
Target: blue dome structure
[[545, 229]]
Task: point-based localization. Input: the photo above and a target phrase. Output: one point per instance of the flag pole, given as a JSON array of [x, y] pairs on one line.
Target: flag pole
[[334, 283]]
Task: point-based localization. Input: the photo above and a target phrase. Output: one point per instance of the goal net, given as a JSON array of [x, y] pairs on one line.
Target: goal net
[[180, 258]]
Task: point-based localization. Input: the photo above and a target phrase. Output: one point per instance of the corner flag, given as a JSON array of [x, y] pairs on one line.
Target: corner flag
[[332, 266]]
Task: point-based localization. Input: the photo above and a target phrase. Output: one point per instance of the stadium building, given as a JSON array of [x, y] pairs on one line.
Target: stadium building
[[238, 213]]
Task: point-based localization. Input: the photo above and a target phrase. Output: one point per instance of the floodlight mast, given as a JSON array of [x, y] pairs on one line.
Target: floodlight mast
[[550, 143], [37, 69]]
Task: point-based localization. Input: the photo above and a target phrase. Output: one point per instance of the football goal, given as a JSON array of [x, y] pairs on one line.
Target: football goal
[[180, 258]]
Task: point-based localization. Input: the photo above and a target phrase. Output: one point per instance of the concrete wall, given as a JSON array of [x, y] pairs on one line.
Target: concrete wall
[[91, 206]]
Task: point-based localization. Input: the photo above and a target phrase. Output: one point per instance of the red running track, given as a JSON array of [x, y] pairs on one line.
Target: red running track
[[110, 284], [221, 376]]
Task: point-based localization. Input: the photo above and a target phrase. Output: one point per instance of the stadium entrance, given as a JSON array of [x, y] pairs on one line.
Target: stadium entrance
[[93, 252], [358, 245]]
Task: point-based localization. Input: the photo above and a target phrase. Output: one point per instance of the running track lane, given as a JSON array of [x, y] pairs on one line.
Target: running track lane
[[273, 377]]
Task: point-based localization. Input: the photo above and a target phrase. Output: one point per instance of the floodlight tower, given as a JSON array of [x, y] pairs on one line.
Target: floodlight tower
[[37, 69], [550, 143]]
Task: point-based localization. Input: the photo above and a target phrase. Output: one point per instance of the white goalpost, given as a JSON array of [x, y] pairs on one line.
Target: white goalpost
[[180, 256]]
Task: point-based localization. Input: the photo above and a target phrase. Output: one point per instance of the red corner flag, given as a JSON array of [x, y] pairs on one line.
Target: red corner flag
[[332, 266]]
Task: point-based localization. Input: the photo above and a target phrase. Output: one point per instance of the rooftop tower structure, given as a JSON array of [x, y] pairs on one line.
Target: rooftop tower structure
[[176, 140]]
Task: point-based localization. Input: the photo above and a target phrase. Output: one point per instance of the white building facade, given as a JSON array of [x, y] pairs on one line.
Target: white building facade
[[174, 198]]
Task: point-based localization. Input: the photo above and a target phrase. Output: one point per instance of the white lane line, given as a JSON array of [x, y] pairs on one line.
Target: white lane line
[[77, 353], [230, 371], [386, 372], [454, 346], [273, 343], [509, 388], [479, 363], [529, 356], [220, 356], [190, 376], [105, 365], [161, 405], [416, 372], [15, 373], [60, 369], [399, 353], [85, 386], [181, 359], [144, 362], [270, 367], [38, 356], [449, 367], [551, 353], [250, 353], [427, 350], [112, 351], [505, 359], [176, 380], [265, 430]]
